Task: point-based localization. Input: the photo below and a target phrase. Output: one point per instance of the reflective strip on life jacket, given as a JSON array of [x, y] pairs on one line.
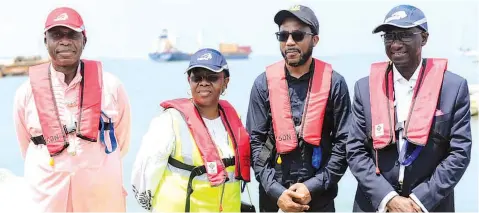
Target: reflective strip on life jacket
[[89, 101], [314, 107], [207, 149]]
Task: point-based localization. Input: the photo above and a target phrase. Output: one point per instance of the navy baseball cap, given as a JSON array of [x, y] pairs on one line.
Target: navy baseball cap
[[301, 12], [210, 59], [404, 16]]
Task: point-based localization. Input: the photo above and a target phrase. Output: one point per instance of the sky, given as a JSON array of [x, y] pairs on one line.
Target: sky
[[121, 28]]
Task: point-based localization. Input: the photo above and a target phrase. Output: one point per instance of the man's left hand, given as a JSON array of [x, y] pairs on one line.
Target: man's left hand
[[416, 207], [301, 188]]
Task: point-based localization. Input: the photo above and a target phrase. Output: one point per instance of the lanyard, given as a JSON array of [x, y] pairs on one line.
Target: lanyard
[[114, 144]]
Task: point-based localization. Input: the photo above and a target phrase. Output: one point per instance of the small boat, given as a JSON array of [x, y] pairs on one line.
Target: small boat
[[20, 64]]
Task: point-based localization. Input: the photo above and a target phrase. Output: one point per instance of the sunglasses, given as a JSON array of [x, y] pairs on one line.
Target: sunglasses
[[404, 36], [208, 78], [297, 35]]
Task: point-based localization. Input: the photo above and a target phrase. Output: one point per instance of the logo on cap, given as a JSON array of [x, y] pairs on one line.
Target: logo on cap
[[295, 8], [395, 16], [61, 17], [204, 57]]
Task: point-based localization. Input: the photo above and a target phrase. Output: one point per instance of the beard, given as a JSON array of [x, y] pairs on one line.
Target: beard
[[303, 57]]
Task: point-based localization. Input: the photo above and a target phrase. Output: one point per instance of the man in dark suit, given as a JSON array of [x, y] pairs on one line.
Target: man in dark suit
[[410, 140]]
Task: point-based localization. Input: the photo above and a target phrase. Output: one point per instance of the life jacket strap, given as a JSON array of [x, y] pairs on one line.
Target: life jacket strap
[[195, 171], [266, 151], [37, 140], [107, 126]]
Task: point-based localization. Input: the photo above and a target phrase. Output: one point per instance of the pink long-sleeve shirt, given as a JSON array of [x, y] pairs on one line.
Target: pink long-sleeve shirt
[[89, 179]]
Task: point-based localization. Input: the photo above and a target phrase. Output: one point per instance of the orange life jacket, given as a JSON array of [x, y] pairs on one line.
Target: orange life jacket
[[422, 109], [205, 144], [54, 134], [315, 106]]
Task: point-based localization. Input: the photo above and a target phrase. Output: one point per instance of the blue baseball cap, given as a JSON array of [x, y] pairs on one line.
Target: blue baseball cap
[[404, 16], [210, 59]]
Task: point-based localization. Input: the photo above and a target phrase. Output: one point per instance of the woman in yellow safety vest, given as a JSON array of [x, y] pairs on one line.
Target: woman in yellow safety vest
[[196, 151]]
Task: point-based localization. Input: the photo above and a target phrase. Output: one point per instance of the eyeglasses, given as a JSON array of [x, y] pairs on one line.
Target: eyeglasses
[[297, 35], [208, 78], [73, 35], [401, 36]]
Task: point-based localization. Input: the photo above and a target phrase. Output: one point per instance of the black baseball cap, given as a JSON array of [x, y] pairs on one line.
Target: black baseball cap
[[303, 13]]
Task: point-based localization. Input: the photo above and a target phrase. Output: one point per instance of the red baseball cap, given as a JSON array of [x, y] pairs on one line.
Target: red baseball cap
[[67, 17]]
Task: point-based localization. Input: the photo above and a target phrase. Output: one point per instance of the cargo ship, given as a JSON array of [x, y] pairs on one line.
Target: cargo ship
[[235, 51], [20, 64], [166, 51]]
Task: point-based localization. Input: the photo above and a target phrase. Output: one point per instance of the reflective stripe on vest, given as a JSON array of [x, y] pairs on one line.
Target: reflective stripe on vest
[[314, 107], [53, 132], [172, 192]]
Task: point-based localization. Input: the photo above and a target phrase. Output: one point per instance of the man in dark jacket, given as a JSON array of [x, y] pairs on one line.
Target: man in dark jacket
[[298, 118], [410, 138]]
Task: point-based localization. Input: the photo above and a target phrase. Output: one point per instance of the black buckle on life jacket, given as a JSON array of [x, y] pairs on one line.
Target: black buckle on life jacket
[[398, 128], [40, 140], [198, 170], [70, 129], [195, 171]]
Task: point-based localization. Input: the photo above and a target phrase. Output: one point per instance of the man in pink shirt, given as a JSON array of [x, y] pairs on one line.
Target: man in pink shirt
[[73, 125]]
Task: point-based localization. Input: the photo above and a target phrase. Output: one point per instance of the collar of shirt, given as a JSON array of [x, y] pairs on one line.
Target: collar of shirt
[[403, 91], [400, 79], [304, 77], [61, 77]]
